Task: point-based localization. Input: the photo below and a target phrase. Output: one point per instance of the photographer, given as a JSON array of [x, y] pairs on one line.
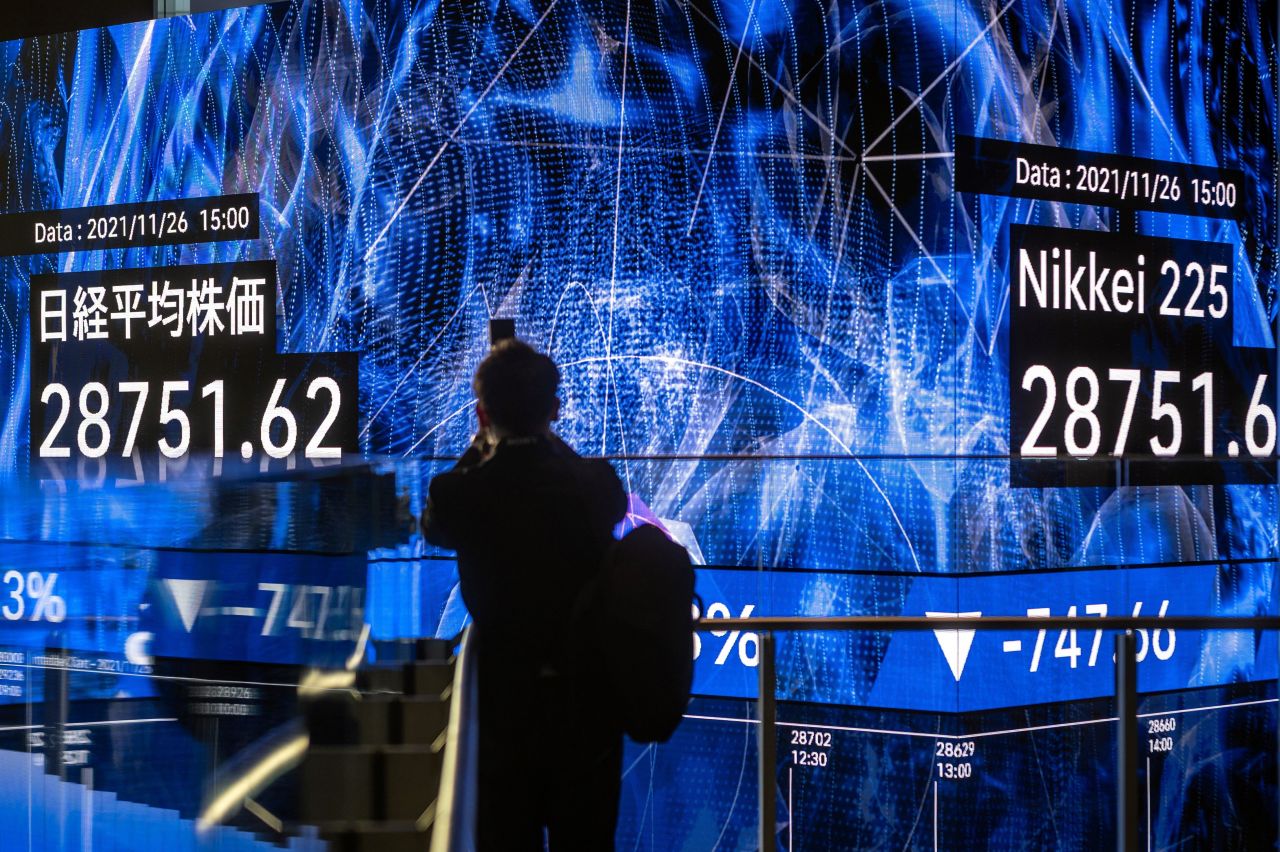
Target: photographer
[[531, 522]]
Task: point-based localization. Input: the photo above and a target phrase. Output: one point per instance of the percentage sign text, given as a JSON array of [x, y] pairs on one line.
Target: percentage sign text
[[748, 644], [46, 606]]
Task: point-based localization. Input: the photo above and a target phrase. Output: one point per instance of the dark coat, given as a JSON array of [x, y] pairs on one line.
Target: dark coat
[[531, 524]]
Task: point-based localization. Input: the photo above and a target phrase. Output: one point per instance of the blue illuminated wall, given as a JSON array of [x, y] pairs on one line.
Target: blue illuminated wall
[[757, 253], [734, 227]]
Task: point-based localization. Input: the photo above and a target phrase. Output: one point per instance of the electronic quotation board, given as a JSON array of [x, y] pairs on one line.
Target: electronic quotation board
[[918, 307]]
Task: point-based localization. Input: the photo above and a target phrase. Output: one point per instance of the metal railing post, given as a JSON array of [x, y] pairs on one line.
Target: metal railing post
[[1126, 743], [768, 746], [1126, 684]]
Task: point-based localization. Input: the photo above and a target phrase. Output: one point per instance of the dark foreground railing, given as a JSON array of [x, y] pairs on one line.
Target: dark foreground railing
[[454, 817], [1126, 686]]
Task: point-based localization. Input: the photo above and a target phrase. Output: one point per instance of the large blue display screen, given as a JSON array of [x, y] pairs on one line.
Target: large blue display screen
[[910, 307]]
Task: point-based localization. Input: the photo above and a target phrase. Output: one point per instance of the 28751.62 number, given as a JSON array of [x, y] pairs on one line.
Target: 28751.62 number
[[277, 431]]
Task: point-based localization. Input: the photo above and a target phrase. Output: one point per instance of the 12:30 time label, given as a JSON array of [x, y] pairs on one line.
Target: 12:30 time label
[[95, 436]]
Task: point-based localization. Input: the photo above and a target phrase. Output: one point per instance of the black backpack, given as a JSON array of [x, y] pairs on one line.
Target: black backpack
[[635, 625]]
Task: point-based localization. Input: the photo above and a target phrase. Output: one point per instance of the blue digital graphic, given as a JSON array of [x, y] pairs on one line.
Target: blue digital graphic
[[952, 671], [736, 227]]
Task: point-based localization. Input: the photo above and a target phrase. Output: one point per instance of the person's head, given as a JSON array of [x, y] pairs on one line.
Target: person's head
[[515, 388]]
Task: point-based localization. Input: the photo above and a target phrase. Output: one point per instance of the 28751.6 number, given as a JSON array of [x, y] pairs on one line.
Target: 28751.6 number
[[1082, 432]]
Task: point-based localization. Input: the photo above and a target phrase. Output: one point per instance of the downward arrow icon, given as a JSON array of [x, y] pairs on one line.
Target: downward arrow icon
[[955, 644], [188, 595]]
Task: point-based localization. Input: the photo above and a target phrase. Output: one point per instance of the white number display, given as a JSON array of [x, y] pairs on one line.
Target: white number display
[[316, 612], [1082, 412], [1219, 310], [93, 417], [315, 450], [1163, 651], [1166, 308], [1197, 271], [277, 412], [1083, 431], [1160, 643], [47, 449], [1217, 292], [1040, 373], [1038, 612], [1134, 378], [17, 604], [1258, 410], [94, 433], [214, 389], [1069, 649], [141, 389], [1204, 384], [1099, 610], [168, 416], [1166, 411]]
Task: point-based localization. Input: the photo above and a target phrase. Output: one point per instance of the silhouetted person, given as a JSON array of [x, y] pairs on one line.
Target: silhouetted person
[[531, 522]]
